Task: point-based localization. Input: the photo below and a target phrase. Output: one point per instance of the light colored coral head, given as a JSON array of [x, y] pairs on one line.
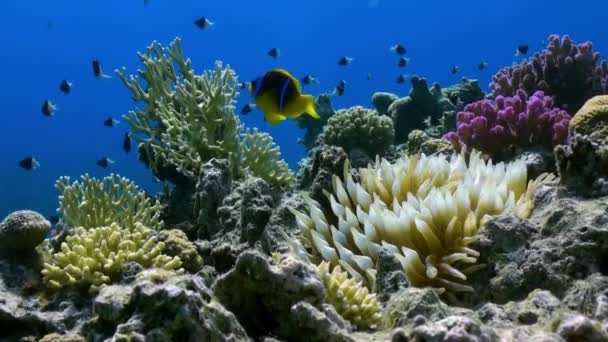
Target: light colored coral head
[[425, 209]]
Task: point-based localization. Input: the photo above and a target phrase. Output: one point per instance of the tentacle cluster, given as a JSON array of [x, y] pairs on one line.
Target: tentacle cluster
[[426, 210]]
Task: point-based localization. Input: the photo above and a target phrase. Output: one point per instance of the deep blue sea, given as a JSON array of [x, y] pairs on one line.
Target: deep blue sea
[[44, 42]]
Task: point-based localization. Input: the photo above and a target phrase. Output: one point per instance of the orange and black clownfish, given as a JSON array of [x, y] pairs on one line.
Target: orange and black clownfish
[[279, 95]]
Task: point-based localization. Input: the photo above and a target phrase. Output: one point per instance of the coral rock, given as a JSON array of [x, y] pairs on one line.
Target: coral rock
[[177, 245], [583, 165], [382, 101], [22, 231], [313, 126], [592, 119]]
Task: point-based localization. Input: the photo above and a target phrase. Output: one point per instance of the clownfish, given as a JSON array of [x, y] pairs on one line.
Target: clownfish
[[279, 95]]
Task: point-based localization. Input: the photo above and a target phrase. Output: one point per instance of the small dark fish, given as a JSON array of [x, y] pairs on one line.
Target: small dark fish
[[54, 219], [274, 52], [244, 85], [403, 62], [399, 49], [340, 88], [482, 65], [65, 86], [248, 108], [110, 122], [369, 77], [309, 79], [104, 162], [401, 79], [522, 50], [126, 143], [97, 71], [203, 23], [455, 69], [29, 163], [48, 108], [345, 60]]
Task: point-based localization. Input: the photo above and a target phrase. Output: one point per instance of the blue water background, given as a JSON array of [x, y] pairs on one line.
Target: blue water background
[[311, 35]]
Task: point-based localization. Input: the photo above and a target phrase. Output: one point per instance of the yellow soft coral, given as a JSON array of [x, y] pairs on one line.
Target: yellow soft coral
[[351, 298], [426, 210], [96, 256]]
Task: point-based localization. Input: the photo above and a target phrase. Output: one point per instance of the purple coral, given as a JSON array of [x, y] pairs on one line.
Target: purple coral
[[567, 71], [492, 126]]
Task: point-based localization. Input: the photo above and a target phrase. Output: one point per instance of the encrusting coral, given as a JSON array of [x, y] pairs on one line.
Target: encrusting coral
[[262, 157], [359, 127], [519, 121], [351, 299], [425, 210], [592, 118], [96, 256], [187, 119], [90, 203]]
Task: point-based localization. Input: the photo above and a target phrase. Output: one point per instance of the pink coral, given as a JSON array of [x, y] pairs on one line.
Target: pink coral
[[492, 126]]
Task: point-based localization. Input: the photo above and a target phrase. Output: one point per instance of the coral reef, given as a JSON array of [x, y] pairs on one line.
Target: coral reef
[[21, 231], [90, 203], [350, 298], [359, 127], [382, 101], [187, 119], [96, 256], [592, 118], [177, 245], [494, 127], [583, 165], [426, 210], [422, 108], [275, 292], [262, 157], [420, 142], [567, 71], [465, 92], [314, 127]]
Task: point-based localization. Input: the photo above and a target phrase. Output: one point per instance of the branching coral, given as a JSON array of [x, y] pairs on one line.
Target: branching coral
[[567, 71], [262, 157], [187, 119], [359, 127], [96, 256], [351, 299], [426, 210], [519, 121], [91, 203]]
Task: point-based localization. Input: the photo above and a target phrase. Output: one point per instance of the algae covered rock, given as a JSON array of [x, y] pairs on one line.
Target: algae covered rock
[[313, 126], [465, 92], [420, 142], [359, 127], [422, 104], [21, 231], [383, 100], [177, 245], [592, 118], [583, 165]]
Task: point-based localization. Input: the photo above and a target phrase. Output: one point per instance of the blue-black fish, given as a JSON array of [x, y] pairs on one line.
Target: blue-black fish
[[110, 122], [97, 71], [248, 108], [401, 79], [203, 23], [455, 69], [345, 60], [244, 85], [274, 52], [279, 95], [369, 77], [29, 163], [126, 143], [522, 50], [309, 79], [482, 65], [399, 49], [65, 86], [104, 162], [403, 62], [339, 90], [48, 108], [54, 219]]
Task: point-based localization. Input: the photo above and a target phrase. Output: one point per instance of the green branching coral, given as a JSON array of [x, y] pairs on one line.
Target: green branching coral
[[359, 127], [351, 299], [426, 210], [262, 157], [91, 203], [96, 256], [187, 119]]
